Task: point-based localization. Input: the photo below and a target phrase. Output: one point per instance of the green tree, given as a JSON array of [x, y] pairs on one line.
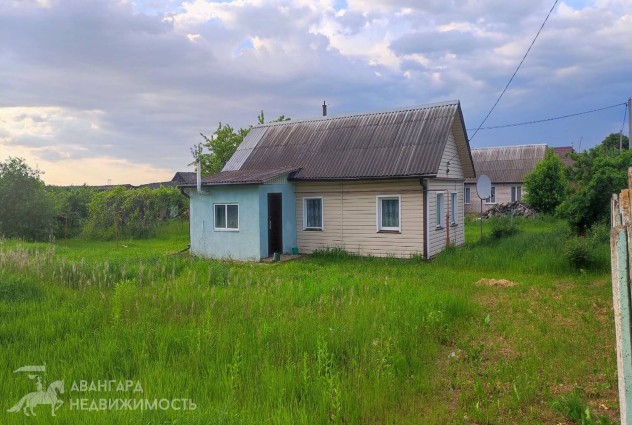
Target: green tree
[[222, 145], [70, 207], [595, 176], [546, 185], [26, 211]]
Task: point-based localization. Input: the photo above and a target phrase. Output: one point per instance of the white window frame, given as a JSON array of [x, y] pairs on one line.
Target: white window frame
[[467, 195], [378, 213], [322, 214], [492, 199], [440, 210], [226, 205], [454, 208], [514, 193]]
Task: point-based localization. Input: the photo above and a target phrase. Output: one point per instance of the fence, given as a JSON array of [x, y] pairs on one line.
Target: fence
[[621, 251]]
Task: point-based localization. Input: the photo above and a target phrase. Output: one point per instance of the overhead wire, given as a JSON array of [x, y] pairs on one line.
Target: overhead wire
[[517, 69], [551, 118]]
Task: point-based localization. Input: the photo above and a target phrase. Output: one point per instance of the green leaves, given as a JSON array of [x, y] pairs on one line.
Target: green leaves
[[26, 210], [546, 185], [223, 144], [596, 175]]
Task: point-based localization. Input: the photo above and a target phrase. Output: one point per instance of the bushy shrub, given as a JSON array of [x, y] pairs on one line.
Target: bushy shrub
[[502, 227], [129, 213], [577, 251], [599, 233]]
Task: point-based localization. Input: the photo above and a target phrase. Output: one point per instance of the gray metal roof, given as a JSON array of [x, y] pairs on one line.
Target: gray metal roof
[[507, 164], [402, 143], [243, 176]]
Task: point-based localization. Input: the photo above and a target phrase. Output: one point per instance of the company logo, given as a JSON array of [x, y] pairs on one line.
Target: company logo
[[91, 395], [39, 396]]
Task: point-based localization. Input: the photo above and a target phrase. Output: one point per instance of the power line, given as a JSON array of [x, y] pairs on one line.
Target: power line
[[552, 118], [516, 71]]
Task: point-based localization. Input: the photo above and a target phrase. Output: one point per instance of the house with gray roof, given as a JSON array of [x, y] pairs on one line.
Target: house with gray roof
[[383, 184], [506, 167]]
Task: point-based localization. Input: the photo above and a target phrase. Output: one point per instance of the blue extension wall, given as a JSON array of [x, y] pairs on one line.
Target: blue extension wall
[[251, 241]]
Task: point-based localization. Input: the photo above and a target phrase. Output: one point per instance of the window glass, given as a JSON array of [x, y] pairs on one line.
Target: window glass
[[390, 212], [220, 216], [313, 213], [440, 210], [467, 195], [232, 216], [492, 198], [454, 205]]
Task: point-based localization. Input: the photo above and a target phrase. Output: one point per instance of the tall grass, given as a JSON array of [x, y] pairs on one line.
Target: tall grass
[[329, 339]]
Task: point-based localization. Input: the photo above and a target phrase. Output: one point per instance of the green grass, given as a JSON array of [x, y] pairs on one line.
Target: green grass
[[331, 338]]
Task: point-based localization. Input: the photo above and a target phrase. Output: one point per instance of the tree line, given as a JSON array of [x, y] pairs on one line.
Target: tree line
[[33, 211]]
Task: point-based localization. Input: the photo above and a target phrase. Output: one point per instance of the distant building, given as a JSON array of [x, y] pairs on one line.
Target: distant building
[[506, 167]]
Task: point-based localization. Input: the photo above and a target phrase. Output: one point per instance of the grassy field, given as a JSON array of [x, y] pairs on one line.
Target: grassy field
[[498, 331]]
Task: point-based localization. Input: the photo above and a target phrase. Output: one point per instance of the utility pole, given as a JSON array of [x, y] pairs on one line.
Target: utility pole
[[629, 122]]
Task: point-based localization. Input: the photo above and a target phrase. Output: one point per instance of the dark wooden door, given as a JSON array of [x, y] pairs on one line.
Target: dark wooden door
[[275, 223]]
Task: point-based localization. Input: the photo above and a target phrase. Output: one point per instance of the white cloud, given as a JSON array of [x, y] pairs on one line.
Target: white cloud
[[109, 80]]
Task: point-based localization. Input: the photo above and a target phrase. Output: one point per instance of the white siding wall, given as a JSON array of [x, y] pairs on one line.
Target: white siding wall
[[437, 238], [350, 217], [450, 155]]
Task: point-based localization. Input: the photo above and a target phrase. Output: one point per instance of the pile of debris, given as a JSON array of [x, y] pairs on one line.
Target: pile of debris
[[515, 208]]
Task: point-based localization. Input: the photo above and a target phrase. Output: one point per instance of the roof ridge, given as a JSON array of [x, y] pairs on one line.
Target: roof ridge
[[511, 146], [359, 114]]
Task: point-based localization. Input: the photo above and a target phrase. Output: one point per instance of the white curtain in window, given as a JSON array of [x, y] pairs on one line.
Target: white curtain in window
[[440, 211], [390, 213], [313, 213]]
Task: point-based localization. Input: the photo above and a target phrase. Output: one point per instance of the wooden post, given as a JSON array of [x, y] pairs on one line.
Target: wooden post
[[629, 123], [621, 252]]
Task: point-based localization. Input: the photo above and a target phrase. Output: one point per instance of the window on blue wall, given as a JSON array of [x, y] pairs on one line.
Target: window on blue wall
[[388, 213], [313, 213], [226, 217]]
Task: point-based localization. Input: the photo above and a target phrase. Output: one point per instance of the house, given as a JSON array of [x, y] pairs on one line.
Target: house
[[382, 184], [506, 167]]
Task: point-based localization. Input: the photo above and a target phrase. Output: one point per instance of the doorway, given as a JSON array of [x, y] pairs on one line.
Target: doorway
[[275, 223]]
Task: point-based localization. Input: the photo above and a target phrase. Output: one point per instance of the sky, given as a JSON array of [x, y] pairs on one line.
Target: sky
[[118, 91]]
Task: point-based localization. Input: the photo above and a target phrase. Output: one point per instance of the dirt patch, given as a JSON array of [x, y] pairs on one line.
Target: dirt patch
[[498, 283]]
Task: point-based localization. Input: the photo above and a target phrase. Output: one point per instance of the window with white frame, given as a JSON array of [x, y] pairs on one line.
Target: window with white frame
[[492, 198], [467, 195], [226, 217], [516, 193], [389, 213], [454, 208], [313, 213], [440, 210]]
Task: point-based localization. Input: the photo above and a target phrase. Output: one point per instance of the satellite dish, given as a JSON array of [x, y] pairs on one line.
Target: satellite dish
[[484, 187]]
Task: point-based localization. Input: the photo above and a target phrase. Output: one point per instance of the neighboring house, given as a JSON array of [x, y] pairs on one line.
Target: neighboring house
[[383, 184], [563, 152], [506, 167], [179, 178]]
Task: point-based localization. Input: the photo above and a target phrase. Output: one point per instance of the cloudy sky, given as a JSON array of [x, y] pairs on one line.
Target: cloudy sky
[[93, 91]]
